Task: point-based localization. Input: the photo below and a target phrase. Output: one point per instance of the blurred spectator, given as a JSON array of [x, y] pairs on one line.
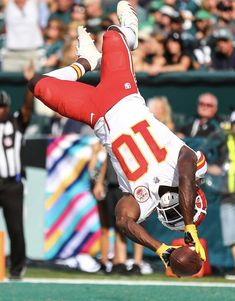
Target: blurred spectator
[[203, 28], [60, 125], [154, 16], [189, 6], [46, 8], [172, 3], [52, 5], [57, 123], [177, 23], [223, 57], [210, 6], [205, 128], [54, 34], [139, 55], [78, 13], [206, 121], [227, 209], [108, 20], [140, 10], [107, 193], [1, 18], [203, 23], [68, 53], [24, 40], [63, 11], [44, 13], [97, 167], [71, 31], [160, 18], [94, 13], [175, 58], [168, 14], [224, 13], [2, 28], [150, 51], [161, 110], [166, 19]]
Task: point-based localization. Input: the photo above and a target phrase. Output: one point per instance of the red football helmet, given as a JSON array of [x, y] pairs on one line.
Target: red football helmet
[[169, 212]]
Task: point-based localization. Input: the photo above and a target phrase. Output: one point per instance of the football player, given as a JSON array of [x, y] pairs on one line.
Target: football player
[[155, 169]]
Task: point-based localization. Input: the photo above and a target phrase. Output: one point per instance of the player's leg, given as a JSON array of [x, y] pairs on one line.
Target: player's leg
[[118, 41], [117, 72], [58, 89], [70, 99]]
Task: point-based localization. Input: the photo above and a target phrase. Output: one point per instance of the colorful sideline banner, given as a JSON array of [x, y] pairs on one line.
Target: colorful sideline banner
[[71, 216]]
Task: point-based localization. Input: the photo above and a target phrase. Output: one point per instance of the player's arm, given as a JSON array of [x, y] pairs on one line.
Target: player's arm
[[99, 188], [127, 213], [27, 107], [187, 165]]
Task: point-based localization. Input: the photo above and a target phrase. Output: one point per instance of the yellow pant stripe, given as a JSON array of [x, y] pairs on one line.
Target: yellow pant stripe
[[77, 69]]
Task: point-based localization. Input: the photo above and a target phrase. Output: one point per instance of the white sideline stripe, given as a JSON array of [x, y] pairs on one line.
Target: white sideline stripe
[[122, 282]]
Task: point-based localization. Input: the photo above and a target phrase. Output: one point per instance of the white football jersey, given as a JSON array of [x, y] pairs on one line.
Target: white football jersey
[[144, 152]]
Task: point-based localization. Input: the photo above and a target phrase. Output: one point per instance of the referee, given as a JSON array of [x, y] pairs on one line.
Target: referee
[[12, 128]]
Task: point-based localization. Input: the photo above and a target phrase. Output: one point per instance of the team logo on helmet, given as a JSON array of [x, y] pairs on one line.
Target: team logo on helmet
[[141, 194]]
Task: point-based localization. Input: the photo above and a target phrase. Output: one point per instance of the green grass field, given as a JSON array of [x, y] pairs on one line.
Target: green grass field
[[51, 285], [51, 273]]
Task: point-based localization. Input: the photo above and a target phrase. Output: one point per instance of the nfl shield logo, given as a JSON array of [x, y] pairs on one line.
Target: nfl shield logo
[[127, 86]]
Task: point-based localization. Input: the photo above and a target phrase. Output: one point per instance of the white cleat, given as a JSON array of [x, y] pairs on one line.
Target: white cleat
[[87, 49], [128, 18]]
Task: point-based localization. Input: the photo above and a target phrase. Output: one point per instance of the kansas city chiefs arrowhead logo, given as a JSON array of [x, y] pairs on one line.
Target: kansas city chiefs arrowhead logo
[[141, 194]]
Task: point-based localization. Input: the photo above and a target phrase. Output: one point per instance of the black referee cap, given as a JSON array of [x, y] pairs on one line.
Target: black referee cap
[[5, 99]]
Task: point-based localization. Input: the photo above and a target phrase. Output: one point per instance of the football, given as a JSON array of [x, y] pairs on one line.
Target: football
[[185, 262]]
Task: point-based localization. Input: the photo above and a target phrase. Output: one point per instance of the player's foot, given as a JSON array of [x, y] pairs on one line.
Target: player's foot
[[128, 18], [86, 48]]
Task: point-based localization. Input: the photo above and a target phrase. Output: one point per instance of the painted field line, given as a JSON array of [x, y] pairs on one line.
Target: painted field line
[[123, 282]]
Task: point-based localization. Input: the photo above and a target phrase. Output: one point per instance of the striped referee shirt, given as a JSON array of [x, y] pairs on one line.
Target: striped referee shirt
[[11, 142]]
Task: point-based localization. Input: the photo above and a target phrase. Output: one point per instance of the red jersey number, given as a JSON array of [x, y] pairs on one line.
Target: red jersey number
[[159, 153]]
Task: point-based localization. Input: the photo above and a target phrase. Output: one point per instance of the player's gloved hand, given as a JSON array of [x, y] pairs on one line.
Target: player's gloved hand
[[191, 237], [164, 252]]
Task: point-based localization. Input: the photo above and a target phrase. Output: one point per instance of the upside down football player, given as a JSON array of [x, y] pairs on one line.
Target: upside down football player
[[156, 170]]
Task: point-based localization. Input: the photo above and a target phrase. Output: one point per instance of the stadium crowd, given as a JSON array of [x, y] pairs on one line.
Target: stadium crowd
[[173, 35]]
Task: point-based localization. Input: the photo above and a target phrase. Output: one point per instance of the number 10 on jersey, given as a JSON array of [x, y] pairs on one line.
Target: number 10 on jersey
[[128, 141]]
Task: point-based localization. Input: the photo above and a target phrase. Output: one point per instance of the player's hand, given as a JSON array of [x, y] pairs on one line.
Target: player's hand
[[99, 191], [191, 237], [164, 252]]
